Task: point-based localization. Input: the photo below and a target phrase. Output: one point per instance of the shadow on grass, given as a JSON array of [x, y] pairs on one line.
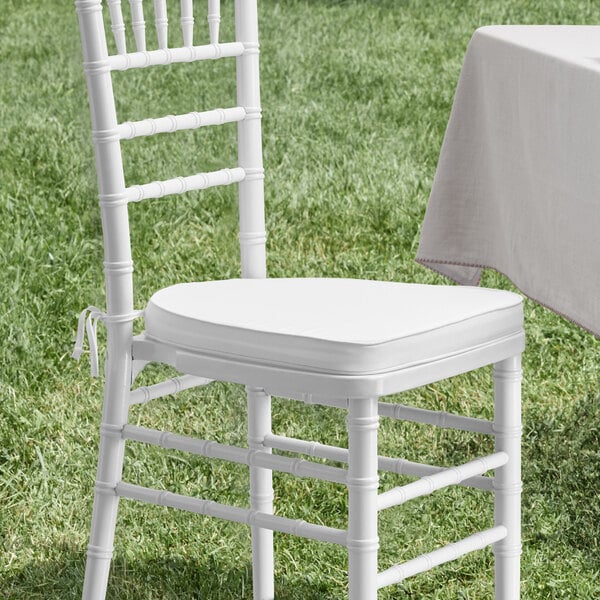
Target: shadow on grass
[[562, 474], [167, 578]]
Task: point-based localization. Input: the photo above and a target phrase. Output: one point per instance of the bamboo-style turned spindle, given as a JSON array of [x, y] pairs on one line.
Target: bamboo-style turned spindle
[[180, 185], [146, 393], [400, 466], [214, 19], [437, 481], [232, 513], [161, 22], [138, 24], [187, 22], [261, 459], [117, 25], [167, 56], [423, 563], [438, 418], [171, 123]]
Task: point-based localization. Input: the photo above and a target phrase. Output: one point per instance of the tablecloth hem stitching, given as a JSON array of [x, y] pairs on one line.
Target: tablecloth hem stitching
[[426, 263]]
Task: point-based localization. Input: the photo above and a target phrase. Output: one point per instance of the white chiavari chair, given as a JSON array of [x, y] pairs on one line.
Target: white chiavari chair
[[335, 342]]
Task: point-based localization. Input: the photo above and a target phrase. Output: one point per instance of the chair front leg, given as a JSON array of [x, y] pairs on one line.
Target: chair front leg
[[261, 495], [363, 484], [507, 480], [110, 467]]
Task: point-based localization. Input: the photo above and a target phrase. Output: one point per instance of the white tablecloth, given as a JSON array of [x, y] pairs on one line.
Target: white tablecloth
[[517, 187]]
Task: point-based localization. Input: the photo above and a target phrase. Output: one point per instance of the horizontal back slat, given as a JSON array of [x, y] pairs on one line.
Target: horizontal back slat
[[171, 123], [180, 185], [167, 56]]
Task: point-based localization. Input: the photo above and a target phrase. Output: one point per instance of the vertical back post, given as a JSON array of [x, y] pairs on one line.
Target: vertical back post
[[251, 191], [252, 250], [118, 268]]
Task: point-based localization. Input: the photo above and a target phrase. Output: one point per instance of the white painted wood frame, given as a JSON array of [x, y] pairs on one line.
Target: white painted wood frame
[[357, 394]]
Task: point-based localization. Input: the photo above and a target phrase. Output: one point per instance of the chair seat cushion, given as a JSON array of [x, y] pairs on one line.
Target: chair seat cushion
[[338, 326]]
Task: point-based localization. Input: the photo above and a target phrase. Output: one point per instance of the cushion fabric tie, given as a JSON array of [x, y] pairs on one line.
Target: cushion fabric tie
[[88, 325]]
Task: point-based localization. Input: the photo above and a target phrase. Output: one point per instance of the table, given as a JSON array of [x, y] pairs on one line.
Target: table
[[517, 187]]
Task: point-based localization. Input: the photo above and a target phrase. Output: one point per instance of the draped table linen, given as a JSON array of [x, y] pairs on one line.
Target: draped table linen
[[517, 186]]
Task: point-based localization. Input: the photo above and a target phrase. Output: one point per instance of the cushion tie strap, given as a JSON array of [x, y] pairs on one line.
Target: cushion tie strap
[[88, 325]]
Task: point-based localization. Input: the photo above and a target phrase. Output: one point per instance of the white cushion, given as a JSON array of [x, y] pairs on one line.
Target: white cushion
[[340, 326]]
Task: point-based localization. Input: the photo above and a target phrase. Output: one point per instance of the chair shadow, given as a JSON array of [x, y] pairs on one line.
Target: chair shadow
[[561, 472], [168, 578]]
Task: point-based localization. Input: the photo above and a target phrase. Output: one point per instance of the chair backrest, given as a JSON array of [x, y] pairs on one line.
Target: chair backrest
[[114, 195]]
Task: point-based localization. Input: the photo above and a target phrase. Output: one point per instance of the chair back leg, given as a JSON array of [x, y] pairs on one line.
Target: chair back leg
[[507, 484]]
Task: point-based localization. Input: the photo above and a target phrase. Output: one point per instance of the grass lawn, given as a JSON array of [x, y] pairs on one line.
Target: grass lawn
[[356, 96]]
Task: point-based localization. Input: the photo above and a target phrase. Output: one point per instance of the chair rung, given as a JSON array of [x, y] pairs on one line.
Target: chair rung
[[167, 56], [171, 123], [425, 562], [433, 417], [410, 413], [446, 477], [232, 513], [399, 466], [180, 185], [144, 394], [253, 458]]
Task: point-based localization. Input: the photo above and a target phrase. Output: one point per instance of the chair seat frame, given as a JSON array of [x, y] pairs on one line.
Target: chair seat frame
[[357, 394], [277, 379]]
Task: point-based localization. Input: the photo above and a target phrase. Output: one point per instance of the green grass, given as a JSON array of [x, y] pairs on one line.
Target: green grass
[[356, 96]]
